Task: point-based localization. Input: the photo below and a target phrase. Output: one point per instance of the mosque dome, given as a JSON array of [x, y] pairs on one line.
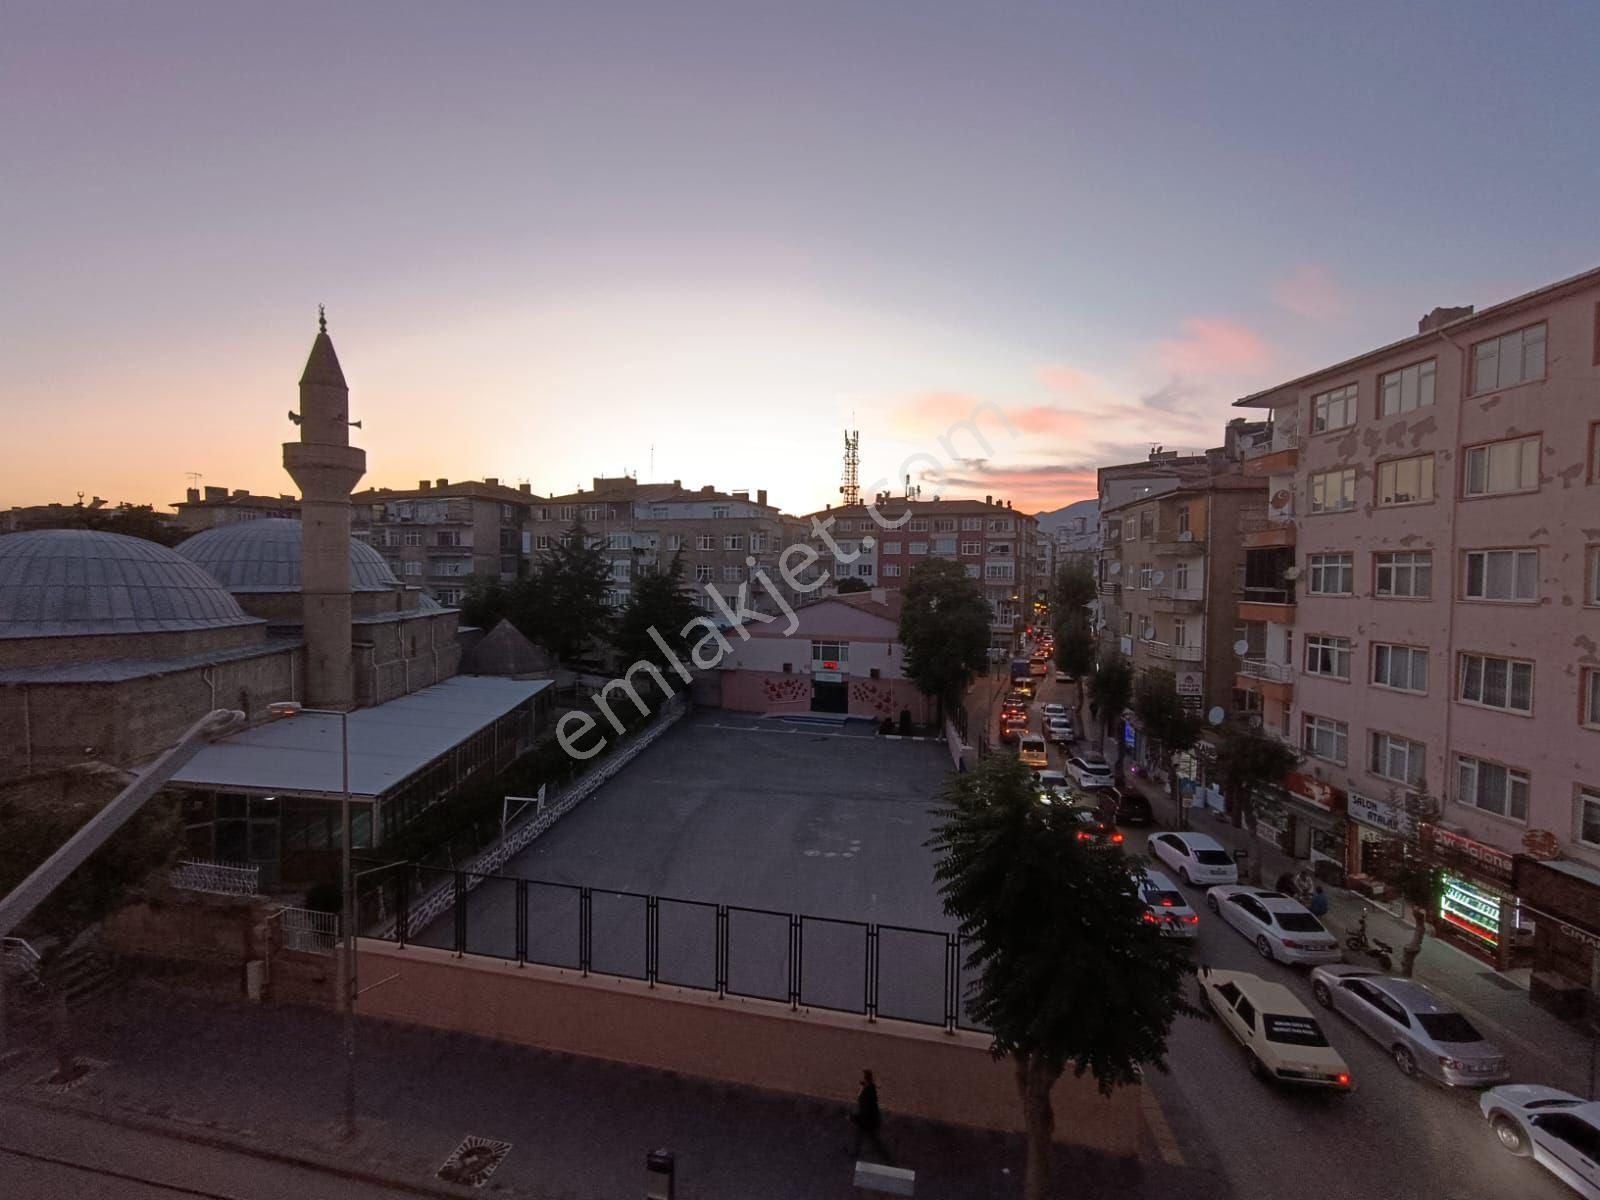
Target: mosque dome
[[66, 582], [252, 557]]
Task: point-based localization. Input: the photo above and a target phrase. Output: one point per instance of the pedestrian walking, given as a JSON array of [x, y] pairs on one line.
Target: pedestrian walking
[[868, 1118], [1319, 903]]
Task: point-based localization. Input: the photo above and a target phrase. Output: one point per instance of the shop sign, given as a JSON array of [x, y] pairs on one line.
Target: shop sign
[[1314, 792], [1379, 814], [1454, 848], [1129, 737], [1541, 844], [1470, 909], [1191, 683]]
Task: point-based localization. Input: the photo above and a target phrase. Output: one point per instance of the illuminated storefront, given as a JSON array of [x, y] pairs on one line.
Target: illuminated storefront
[[1477, 906]]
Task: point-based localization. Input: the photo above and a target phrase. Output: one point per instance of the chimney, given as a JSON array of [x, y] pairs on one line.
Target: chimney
[[988, 500], [525, 488], [423, 485], [443, 483], [238, 492], [761, 496], [1443, 316], [216, 493], [491, 481], [192, 496]]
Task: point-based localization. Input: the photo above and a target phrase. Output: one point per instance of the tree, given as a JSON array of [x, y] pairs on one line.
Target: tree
[[1166, 722], [1412, 871], [570, 596], [485, 602], [1074, 589], [944, 627], [1110, 693], [852, 584], [658, 602], [1076, 649], [1057, 987], [1246, 760]]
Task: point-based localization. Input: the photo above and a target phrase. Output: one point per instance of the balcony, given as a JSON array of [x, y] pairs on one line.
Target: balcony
[[1275, 681], [1271, 528], [1177, 600], [1109, 589], [1255, 607], [1175, 653], [1174, 541], [1275, 452]]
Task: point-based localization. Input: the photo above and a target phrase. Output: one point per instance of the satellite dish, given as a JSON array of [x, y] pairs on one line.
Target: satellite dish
[[1291, 573], [1241, 647], [1158, 578], [1216, 715], [1116, 568]]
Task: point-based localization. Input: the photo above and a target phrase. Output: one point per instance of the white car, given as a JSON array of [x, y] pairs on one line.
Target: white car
[[1063, 677], [1196, 858], [1051, 711], [1090, 772], [1053, 786], [1561, 1131], [1280, 927], [1166, 907], [1058, 729]]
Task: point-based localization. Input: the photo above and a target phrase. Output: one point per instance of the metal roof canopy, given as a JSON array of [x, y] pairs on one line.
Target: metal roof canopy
[[388, 744]]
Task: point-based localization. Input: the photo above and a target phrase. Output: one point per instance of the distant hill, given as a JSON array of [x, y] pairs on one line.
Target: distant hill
[[1049, 522]]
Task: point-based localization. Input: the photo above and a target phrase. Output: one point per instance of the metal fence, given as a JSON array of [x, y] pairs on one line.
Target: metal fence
[[218, 878], [308, 930], [873, 969]]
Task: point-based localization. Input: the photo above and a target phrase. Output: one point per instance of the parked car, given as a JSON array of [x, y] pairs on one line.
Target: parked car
[[1424, 1034], [1063, 677], [1559, 1130], [1089, 772], [1051, 711], [1280, 1035], [1011, 731], [1132, 807], [1053, 786], [1281, 927], [1031, 749], [1096, 828], [1196, 858], [1059, 730], [1165, 906]]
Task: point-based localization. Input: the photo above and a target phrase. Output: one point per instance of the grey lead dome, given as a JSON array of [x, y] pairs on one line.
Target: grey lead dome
[[251, 557], [64, 582]]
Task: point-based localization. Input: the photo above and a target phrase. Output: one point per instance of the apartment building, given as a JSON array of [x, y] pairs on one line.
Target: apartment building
[[1422, 610], [206, 508], [1170, 568], [995, 543], [440, 533], [725, 538]]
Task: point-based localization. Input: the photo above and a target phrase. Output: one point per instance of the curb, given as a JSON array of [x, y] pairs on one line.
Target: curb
[[174, 1129]]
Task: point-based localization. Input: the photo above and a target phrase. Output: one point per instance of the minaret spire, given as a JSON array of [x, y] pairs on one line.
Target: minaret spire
[[322, 318]]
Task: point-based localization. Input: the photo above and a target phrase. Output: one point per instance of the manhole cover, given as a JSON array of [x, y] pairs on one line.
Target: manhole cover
[[474, 1160], [61, 1082]]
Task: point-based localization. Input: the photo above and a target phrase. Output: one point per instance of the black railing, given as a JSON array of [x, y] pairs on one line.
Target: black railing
[[871, 969]]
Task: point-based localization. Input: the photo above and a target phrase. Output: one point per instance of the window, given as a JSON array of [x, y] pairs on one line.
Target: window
[[1501, 575], [891, 547], [1180, 632], [1002, 525], [891, 570], [944, 545], [1328, 656], [1591, 697], [758, 542], [1180, 577], [997, 571], [974, 571], [1589, 817], [1508, 360], [919, 547], [1127, 624], [1333, 491], [674, 541], [569, 512], [413, 568], [1407, 389], [999, 549], [1333, 409], [658, 512], [619, 541], [542, 542], [1146, 574], [707, 541], [1404, 668], [733, 541], [1398, 758], [1407, 573], [413, 537], [544, 513], [1147, 629], [1406, 480], [447, 596], [719, 512], [1495, 789], [972, 547], [447, 537], [732, 573], [834, 652], [864, 569], [919, 524], [1331, 574], [1183, 518], [944, 524], [621, 568], [1503, 467], [1326, 739], [1130, 529], [1594, 576], [703, 572], [970, 524], [1497, 682], [1147, 524], [596, 512]]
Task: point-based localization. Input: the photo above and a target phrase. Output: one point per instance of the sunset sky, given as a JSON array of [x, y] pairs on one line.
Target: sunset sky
[[555, 240]]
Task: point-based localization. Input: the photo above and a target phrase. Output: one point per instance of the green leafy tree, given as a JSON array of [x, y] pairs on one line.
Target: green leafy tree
[[485, 602], [1072, 593], [852, 584], [568, 600], [1076, 649], [1110, 693], [1247, 760], [1166, 722], [658, 602], [944, 627], [1057, 988], [1412, 871]]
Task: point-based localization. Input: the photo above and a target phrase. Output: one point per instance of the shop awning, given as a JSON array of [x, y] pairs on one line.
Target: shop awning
[[301, 755]]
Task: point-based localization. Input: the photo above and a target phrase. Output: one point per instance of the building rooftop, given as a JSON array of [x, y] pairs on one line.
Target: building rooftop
[[71, 582], [251, 557]]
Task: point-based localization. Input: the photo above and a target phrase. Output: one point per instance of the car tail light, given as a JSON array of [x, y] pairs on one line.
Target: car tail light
[[1150, 917], [1288, 944], [1343, 1079], [1165, 902], [1084, 837], [1116, 839], [1193, 918]]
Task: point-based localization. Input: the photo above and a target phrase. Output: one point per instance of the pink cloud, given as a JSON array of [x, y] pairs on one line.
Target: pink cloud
[[1212, 346], [1310, 292], [933, 412]]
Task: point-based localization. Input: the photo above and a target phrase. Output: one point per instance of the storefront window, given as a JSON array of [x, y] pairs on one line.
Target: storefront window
[[1472, 910]]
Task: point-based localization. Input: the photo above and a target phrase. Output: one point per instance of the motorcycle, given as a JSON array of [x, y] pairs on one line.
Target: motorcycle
[[1380, 951]]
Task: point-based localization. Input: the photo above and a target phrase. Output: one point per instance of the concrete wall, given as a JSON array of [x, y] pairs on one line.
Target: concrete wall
[[922, 1072], [396, 657]]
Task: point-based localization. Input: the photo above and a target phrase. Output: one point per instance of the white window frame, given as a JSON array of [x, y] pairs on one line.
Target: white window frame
[[719, 512], [1474, 685], [1320, 566], [1313, 728], [1320, 482], [1407, 388], [918, 548], [1386, 656], [1483, 559], [674, 541], [1402, 564], [704, 572], [1470, 787], [733, 541], [732, 573], [1586, 797], [972, 547], [1330, 652], [1385, 748], [891, 570], [1520, 356], [971, 524], [707, 541], [891, 548], [1334, 409], [919, 524], [1492, 455], [1589, 698], [1395, 489]]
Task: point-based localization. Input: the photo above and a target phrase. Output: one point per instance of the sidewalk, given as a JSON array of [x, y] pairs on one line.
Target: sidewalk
[[1496, 1001], [267, 1081]]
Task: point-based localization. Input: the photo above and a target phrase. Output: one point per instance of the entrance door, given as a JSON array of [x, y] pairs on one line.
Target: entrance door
[[829, 697]]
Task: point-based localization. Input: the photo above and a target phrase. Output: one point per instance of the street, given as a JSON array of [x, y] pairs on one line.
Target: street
[[1393, 1136]]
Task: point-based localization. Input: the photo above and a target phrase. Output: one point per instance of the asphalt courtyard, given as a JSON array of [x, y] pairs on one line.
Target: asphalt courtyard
[[769, 817]]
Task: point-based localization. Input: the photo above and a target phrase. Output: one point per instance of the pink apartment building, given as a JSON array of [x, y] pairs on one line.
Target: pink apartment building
[[1420, 611]]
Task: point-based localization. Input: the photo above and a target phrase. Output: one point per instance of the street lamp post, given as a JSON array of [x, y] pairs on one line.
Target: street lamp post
[[347, 920]]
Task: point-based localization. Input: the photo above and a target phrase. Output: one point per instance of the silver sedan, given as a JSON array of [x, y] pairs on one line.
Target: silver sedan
[[1423, 1033]]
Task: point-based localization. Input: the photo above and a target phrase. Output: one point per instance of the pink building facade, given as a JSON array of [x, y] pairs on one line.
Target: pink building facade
[[1433, 619], [845, 657]]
